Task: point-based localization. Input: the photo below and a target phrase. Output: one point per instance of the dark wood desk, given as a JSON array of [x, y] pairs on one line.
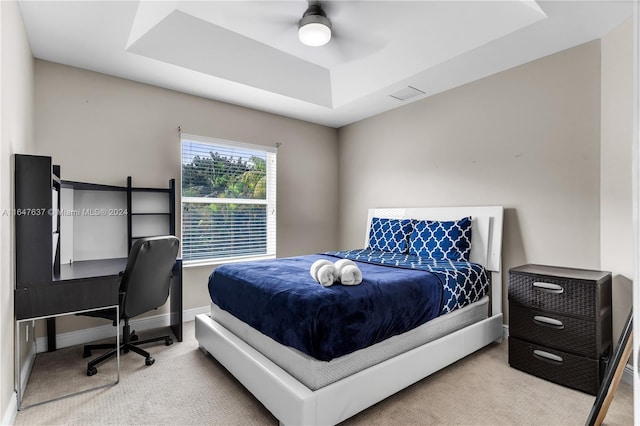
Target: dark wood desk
[[45, 288], [86, 285]]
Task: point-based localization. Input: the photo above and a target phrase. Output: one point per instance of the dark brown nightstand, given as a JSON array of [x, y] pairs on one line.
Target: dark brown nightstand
[[560, 324]]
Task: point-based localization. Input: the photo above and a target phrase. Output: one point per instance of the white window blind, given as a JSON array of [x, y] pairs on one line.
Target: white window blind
[[228, 200]]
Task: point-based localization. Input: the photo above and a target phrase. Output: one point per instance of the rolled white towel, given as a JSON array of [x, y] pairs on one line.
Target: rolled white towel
[[327, 275], [316, 266], [351, 275], [340, 264]]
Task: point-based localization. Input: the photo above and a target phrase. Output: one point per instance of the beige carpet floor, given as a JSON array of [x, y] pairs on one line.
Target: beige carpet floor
[[187, 387]]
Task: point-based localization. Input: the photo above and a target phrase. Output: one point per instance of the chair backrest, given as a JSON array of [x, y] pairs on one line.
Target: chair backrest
[[145, 282]]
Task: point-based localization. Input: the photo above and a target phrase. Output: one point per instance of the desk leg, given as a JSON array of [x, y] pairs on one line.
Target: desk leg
[[18, 365], [175, 301], [51, 334], [18, 360]]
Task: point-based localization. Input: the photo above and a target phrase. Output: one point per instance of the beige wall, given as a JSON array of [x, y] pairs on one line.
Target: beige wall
[[16, 122], [102, 129], [527, 139], [616, 226]]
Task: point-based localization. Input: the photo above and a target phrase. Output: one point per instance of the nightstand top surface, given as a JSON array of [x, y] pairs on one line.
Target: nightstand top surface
[[562, 272]]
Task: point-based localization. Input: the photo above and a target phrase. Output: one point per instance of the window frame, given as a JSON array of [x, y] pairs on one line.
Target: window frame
[[269, 201]]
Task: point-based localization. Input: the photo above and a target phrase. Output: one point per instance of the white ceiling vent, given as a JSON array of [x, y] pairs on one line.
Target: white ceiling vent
[[406, 93]]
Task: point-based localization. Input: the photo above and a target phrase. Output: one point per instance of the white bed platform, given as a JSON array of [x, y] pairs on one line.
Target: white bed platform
[[292, 403]]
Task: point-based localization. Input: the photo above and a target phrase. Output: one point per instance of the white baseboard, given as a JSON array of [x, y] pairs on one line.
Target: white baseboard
[[86, 335], [190, 314], [9, 416]]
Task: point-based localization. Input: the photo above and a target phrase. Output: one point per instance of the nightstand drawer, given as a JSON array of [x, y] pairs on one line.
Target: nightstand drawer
[[576, 372], [556, 294], [555, 331]]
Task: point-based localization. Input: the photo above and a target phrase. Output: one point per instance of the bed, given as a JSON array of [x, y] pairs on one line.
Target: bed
[[304, 383]]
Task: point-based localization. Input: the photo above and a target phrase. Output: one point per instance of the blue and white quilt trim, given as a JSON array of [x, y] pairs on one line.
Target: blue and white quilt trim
[[463, 282]]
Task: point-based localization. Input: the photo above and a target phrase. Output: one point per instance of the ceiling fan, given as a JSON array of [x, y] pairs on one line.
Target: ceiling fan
[[344, 39]]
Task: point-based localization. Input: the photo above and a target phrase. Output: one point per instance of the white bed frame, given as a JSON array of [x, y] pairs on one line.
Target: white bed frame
[[292, 403]]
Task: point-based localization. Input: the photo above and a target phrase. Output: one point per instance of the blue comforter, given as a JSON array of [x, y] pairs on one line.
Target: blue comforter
[[280, 299]]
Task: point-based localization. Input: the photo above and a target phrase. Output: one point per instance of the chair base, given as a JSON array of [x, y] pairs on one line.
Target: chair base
[[130, 343]]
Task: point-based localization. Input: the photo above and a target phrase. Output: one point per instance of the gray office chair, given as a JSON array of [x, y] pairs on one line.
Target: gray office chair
[[144, 286]]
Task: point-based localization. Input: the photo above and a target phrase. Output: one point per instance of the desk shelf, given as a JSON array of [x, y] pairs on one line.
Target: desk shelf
[[163, 190], [169, 203], [169, 210], [86, 186]]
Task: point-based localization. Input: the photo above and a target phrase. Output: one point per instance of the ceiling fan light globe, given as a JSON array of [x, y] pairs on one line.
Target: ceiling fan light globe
[[314, 34], [314, 29]]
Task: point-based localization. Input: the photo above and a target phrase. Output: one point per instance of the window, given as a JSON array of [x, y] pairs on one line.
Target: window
[[228, 200]]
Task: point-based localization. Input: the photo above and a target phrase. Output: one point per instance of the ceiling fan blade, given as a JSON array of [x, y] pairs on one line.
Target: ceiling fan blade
[[347, 41], [351, 47]]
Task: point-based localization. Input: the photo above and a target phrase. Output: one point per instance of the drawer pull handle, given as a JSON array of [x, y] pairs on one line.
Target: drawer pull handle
[[548, 322], [547, 356], [548, 287]]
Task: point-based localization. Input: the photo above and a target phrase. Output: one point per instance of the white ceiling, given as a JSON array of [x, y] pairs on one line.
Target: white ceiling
[[247, 52]]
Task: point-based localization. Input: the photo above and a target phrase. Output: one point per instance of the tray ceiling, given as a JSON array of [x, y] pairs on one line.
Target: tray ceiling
[[248, 53]]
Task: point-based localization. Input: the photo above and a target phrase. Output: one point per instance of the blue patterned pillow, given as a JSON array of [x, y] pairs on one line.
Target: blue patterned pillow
[[442, 239], [390, 235]]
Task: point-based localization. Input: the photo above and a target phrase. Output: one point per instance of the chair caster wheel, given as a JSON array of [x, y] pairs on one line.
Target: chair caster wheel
[[149, 361], [133, 337], [168, 341], [86, 354], [91, 371]]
